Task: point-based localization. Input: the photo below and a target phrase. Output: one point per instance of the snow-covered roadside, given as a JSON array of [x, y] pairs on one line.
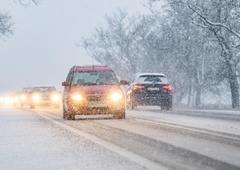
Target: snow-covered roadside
[[155, 113]]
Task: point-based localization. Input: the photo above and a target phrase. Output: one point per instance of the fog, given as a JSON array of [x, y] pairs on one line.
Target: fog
[[43, 46]]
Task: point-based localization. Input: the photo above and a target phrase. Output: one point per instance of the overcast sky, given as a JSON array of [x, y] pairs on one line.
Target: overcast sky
[[43, 49]]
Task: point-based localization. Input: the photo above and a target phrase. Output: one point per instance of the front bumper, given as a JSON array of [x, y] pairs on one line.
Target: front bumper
[[87, 108]]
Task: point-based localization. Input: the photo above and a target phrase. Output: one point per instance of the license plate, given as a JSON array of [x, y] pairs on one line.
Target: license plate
[[153, 88], [97, 105]]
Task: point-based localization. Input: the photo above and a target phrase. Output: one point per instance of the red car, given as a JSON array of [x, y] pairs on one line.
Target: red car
[[92, 90]]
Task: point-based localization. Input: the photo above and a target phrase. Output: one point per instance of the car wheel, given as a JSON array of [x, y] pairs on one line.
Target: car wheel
[[68, 115], [32, 106], [167, 106], [130, 103], [64, 113], [119, 115]]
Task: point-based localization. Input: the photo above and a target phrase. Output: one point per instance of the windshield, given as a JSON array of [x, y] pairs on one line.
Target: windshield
[[144, 79], [44, 89], [27, 90], [95, 78]]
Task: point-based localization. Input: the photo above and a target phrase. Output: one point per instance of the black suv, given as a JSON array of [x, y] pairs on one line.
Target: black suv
[[149, 89]]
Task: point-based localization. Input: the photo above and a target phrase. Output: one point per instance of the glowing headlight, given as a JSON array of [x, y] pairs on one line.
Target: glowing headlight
[[77, 97], [23, 97], [116, 96], [55, 97], [8, 100], [36, 98]]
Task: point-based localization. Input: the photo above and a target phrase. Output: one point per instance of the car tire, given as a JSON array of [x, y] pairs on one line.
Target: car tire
[[130, 104], [119, 115], [32, 106], [67, 115], [64, 113], [70, 117], [167, 106]]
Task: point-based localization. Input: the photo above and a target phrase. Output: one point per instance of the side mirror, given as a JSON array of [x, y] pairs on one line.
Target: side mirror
[[65, 83], [124, 82]]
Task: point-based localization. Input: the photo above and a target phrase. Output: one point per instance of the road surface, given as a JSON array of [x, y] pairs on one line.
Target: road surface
[[147, 139]]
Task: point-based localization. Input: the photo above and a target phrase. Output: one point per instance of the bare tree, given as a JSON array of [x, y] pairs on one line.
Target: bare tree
[[220, 21], [221, 18], [5, 25], [27, 3], [121, 43]]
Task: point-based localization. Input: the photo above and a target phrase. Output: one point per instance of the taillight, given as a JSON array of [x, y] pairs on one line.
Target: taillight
[[137, 87], [167, 87]]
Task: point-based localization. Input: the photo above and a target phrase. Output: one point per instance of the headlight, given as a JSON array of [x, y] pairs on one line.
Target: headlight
[[8, 100], [55, 97], [36, 98], [116, 96], [23, 97], [77, 97]]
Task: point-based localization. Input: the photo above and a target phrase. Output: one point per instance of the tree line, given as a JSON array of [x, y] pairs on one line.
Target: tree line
[[195, 43]]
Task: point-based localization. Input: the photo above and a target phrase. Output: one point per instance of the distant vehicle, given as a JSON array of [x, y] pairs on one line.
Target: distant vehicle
[[92, 90], [45, 96], [16, 98], [149, 89], [24, 97]]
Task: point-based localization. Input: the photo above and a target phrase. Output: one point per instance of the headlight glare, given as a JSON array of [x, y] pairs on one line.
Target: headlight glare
[[36, 98], [116, 96], [55, 97], [23, 97], [77, 97]]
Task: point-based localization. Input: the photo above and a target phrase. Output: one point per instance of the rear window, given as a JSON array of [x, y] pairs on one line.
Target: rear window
[[149, 79], [93, 78]]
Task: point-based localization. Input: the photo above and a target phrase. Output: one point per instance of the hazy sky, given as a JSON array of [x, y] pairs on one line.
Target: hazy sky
[[42, 49]]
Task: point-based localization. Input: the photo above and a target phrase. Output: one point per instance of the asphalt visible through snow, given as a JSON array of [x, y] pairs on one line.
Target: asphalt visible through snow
[[147, 139]]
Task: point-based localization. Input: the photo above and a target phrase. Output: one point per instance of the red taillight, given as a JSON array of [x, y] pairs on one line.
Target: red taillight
[[167, 87], [137, 87]]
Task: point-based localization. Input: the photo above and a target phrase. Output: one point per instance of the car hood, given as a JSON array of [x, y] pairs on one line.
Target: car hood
[[96, 89]]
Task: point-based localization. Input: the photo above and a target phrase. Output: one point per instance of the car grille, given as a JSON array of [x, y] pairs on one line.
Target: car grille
[[46, 97]]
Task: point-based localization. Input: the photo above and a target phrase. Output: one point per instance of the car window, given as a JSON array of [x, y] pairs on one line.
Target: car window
[[94, 78], [27, 90], [145, 79], [44, 89]]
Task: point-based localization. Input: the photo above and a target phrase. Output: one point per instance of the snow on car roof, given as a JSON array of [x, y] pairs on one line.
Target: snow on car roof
[[91, 68], [44, 86], [157, 74], [27, 87]]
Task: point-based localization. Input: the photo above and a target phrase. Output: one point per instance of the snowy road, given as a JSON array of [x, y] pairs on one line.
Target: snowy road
[[147, 139]]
